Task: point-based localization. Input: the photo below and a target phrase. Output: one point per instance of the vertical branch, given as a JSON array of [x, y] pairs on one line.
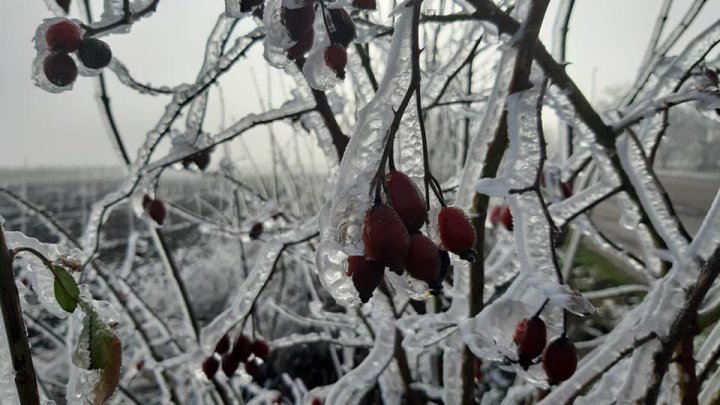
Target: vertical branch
[[19, 348], [525, 46], [562, 24]]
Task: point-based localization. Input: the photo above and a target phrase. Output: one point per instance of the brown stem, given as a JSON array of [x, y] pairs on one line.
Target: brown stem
[[18, 345]]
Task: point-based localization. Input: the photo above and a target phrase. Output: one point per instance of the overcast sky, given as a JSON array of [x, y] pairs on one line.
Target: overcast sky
[[39, 128]]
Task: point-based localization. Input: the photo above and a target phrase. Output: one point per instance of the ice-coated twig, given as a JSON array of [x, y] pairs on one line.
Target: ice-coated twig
[[351, 388], [248, 292]]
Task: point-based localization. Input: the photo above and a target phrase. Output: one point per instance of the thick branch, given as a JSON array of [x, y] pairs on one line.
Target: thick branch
[[18, 345]]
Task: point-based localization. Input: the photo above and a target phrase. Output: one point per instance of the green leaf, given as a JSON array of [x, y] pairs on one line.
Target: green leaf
[[105, 355], [67, 293]]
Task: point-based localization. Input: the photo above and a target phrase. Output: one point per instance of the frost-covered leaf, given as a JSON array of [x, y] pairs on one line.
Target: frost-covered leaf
[[67, 293]]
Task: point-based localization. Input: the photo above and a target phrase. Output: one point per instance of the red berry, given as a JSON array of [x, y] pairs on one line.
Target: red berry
[[342, 30], [64, 4], [298, 20], [139, 365], [223, 345], [252, 369], [336, 59], [230, 364], [385, 237], [315, 401], [261, 349], [303, 45], [256, 230], [248, 5], [94, 53], [506, 218], [559, 360], [423, 259], [406, 200], [242, 347], [210, 366], [60, 69], [366, 275], [456, 232], [365, 4], [63, 36], [530, 338], [156, 210]]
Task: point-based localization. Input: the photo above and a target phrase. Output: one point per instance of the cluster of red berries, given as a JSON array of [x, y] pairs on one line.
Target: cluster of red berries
[[155, 209], [245, 350], [392, 238], [63, 38], [559, 358], [299, 24]]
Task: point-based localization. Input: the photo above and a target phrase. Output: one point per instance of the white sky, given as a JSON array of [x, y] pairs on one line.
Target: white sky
[[42, 129]]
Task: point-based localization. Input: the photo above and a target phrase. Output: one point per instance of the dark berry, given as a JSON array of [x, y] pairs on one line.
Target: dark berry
[[423, 259], [530, 338], [457, 232], [298, 20], [342, 30], [261, 349], [94, 53], [223, 345], [559, 360], [406, 200], [336, 59], [210, 366], [385, 237], [252, 369], [139, 365], [60, 69], [202, 159], [156, 210], [63, 36], [242, 347], [303, 45], [366, 275], [256, 230], [315, 401], [230, 363]]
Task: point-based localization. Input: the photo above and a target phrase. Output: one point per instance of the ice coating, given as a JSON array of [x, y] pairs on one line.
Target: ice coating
[[351, 388], [277, 38], [342, 217]]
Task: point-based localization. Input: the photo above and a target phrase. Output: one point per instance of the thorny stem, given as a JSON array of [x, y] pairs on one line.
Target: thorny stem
[[17, 339]]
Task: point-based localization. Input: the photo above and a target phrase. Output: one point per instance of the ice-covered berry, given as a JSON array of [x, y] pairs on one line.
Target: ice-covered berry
[[60, 69], [530, 338], [210, 367], [366, 275], [64, 36], [457, 233], [385, 237], [423, 259], [94, 53], [559, 360], [406, 200], [336, 59], [342, 30]]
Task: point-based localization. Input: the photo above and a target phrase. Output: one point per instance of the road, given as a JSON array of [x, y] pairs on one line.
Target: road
[[691, 194]]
